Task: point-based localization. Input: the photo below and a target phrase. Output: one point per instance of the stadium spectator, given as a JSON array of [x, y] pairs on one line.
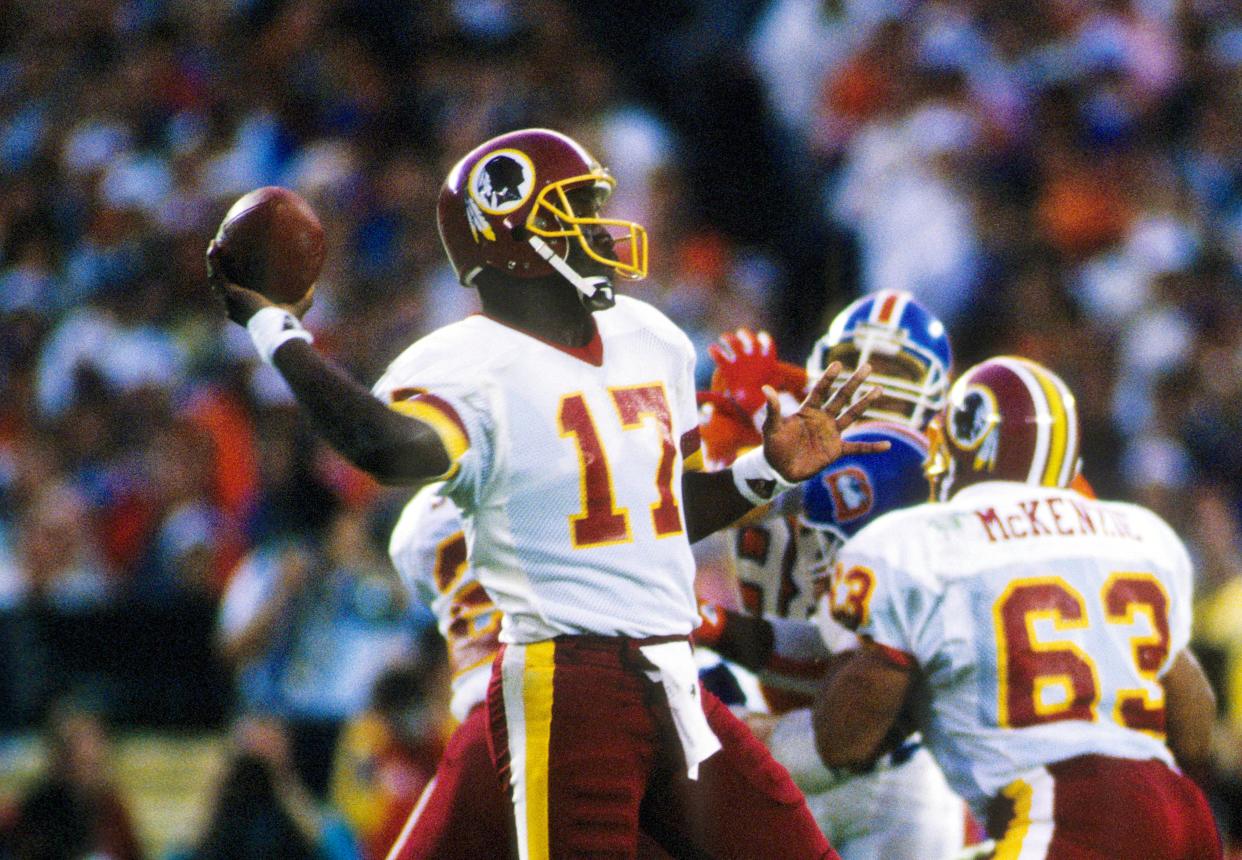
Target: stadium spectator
[[308, 631], [388, 753], [263, 811], [75, 809]]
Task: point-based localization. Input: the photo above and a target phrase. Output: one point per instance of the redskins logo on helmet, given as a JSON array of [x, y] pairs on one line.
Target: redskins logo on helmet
[[973, 424], [524, 202], [1007, 419], [502, 182]]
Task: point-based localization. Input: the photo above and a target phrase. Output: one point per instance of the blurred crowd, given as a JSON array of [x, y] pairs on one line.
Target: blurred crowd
[[1061, 180]]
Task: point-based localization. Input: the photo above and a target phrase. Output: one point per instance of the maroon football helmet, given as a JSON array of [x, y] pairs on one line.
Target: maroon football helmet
[[507, 206], [1007, 419]]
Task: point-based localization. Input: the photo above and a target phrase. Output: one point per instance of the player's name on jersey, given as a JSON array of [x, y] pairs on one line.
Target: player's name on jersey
[[1054, 516]]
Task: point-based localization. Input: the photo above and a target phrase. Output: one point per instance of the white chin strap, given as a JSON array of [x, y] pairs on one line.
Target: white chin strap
[[596, 290]]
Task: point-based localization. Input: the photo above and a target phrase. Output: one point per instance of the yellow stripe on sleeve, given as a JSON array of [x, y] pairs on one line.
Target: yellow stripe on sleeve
[[455, 442], [695, 463]]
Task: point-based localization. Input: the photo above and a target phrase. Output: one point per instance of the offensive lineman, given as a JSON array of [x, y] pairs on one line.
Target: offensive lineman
[[428, 549], [1043, 634], [899, 807], [596, 720]]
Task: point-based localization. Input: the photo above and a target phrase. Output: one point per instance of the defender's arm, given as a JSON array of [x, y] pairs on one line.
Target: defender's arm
[[1190, 711], [858, 706]]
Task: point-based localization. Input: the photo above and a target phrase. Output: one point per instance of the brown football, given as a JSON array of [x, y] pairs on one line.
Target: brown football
[[272, 242]]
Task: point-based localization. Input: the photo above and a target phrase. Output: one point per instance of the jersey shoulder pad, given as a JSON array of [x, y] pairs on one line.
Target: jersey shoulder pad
[[1156, 532], [906, 544], [631, 313], [426, 523], [449, 352], [427, 518], [856, 489]]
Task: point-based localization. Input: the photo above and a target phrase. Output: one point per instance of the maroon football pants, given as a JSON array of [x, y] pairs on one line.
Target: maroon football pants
[[1101, 808], [586, 743], [463, 812]]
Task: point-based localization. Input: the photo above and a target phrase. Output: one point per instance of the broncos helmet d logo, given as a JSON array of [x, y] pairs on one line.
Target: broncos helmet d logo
[[851, 492]]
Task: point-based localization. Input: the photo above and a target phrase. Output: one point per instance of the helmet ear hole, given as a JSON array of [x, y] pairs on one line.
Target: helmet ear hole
[[520, 233]]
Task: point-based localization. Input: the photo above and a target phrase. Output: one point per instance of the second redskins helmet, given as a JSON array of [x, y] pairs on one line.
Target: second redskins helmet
[[507, 206], [1007, 419]]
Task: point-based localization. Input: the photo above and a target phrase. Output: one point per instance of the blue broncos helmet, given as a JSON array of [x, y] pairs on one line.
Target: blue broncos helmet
[[856, 489], [907, 347]]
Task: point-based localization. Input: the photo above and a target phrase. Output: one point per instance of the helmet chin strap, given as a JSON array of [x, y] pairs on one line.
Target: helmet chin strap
[[596, 290]]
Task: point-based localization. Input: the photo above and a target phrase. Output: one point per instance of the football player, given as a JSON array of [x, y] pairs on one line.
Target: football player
[[562, 420], [899, 806], [463, 812], [1042, 634]]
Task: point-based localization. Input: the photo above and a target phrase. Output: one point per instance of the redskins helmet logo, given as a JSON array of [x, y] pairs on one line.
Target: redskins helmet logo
[[971, 423], [502, 181]]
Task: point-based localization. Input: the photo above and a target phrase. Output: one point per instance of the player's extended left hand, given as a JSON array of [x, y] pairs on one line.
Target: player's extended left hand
[[800, 445]]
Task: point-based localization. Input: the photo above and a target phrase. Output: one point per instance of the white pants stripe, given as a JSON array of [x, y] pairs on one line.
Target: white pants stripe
[[513, 671], [526, 687], [399, 845]]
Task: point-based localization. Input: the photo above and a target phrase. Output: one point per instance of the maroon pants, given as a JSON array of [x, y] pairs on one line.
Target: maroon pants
[[586, 743], [464, 811], [1100, 808]]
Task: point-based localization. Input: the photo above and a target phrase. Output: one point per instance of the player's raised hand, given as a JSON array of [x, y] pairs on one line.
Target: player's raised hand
[[745, 361], [800, 445]]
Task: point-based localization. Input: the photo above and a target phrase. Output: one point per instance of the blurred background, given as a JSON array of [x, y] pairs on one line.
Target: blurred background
[[203, 645]]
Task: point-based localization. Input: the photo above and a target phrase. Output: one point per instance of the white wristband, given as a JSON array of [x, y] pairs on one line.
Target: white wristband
[[755, 478], [270, 327]]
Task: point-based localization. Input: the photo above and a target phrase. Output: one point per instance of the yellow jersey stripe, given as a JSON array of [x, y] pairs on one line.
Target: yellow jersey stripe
[[694, 463], [455, 442]]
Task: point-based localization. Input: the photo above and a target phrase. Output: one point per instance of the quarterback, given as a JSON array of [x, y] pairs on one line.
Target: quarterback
[[899, 806], [562, 422], [1040, 637], [463, 812]]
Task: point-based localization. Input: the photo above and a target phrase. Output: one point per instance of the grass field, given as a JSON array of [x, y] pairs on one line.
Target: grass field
[[168, 781]]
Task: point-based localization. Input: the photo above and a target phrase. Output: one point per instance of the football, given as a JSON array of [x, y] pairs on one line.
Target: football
[[271, 241]]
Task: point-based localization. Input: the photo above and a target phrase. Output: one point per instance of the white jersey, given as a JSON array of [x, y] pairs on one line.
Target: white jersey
[[428, 548], [776, 563], [774, 560], [567, 467], [899, 809], [1041, 622]]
